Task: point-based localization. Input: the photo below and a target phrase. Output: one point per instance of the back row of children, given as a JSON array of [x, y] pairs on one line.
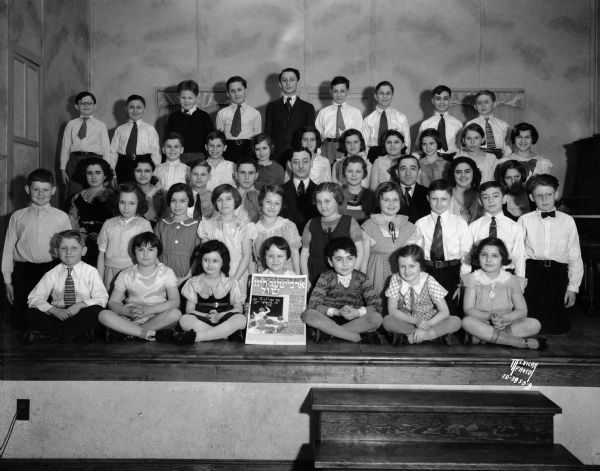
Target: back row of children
[[445, 238]]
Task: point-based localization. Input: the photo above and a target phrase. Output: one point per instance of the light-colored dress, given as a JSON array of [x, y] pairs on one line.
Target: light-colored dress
[[486, 164], [542, 164], [494, 295], [222, 173], [377, 233], [232, 234], [146, 290], [283, 228], [179, 239]]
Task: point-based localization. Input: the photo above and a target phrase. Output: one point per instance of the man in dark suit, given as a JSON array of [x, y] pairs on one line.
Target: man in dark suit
[[413, 199], [285, 115], [299, 190]]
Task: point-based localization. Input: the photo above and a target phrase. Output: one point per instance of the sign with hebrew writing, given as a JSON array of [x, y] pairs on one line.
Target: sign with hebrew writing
[[276, 303]]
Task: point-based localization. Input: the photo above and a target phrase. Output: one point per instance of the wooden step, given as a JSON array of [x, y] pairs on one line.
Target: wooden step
[[444, 456], [438, 416]]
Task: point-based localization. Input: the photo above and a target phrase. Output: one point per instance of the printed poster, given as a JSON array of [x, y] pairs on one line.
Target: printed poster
[[276, 303]]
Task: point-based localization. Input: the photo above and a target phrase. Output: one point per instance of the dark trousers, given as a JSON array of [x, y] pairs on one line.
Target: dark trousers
[[544, 295], [449, 278], [237, 150], [24, 278], [67, 330]]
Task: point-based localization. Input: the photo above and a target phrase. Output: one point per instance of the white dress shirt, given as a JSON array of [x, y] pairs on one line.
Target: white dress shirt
[[456, 237], [251, 121], [326, 121], [170, 173], [453, 129], [509, 232], [554, 239], [147, 142], [501, 131], [89, 287], [395, 119], [221, 173], [95, 140]]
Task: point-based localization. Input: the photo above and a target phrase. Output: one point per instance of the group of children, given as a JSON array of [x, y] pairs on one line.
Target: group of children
[[409, 242]]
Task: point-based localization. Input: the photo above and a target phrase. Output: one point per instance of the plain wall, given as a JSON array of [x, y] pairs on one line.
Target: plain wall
[[542, 46]]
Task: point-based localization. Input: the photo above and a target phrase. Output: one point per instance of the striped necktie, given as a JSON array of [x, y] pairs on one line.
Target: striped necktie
[[490, 142], [69, 297], [493, 228]]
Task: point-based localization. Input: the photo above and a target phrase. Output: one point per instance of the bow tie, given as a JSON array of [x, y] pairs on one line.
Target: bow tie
[[548, 214]]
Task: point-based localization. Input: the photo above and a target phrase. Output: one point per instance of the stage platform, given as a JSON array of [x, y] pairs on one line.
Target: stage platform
[[572, 360]]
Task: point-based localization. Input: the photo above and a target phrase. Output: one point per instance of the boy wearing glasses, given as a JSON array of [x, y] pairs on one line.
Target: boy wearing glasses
[[84, 137]]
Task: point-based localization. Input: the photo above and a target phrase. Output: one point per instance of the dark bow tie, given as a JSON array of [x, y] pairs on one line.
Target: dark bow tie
[[548, 214]]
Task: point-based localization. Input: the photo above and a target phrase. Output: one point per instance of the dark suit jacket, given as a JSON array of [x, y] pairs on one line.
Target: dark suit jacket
[[299, 210], [419, 206], [280, 128]]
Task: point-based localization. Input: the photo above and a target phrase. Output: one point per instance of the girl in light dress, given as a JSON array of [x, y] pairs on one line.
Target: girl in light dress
[[395, 147], [275, 253], [351, 142], [432, 165], [524, 136], [472, 139]]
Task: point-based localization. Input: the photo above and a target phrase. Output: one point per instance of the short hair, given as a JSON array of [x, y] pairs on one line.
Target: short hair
[[208, 247], [57, 238], [341, 243], [330, 187], [471, 163], [199, 163], [40, 175], [256, 140], [440, 185], [413, 251], [248, 161], [81, 95], [172, 135], [524, 127], [177, 187], [489, 93], [471, 127], [543, 179], [146, 239], [301, 150], [493, 241], [339, 80], [236, 78], [130, 187], [144, 159], [278, 242], [131, 98], [385, 187], [271, 189], [296, 142], [406, 157], [104, 165], [431, 132], [226, 188], [491, 184], [296, 72], [441, 89], [355, 159], [383, 84], [217, 135], [512, 164], [393, 132], [188, 85], [349, 133]]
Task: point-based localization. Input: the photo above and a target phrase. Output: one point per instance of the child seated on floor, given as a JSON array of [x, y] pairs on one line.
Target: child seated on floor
[[275, 254], [214, 301], [77, 293], [494, 306], [343, 303], [145, 298], [416, 304]]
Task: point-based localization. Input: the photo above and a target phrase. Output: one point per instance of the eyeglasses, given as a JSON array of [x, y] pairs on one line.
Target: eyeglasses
[[86, 103], [392, 230]]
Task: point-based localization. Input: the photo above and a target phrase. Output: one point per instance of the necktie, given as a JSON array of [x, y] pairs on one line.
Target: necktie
[[383, 126], [493, 228], [301, 188], [442, 130], [288, 107], [236, 124], [198, 208], [407, 197], [413, 297], [69, 297], [437, 245], [339, 123], [83, 129], [132, 141], [548, 214], [490, 143]]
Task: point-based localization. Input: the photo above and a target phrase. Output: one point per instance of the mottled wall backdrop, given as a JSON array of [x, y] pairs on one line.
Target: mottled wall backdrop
[[542, 46]]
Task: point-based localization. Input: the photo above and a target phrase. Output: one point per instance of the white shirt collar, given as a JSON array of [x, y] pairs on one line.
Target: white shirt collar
[[405, 287], [297, 182], [189, 112], [172, 163], [344, 280], [293, 97]]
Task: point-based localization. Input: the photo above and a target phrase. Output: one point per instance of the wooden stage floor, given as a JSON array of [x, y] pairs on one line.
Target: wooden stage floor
[[572, 360]]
